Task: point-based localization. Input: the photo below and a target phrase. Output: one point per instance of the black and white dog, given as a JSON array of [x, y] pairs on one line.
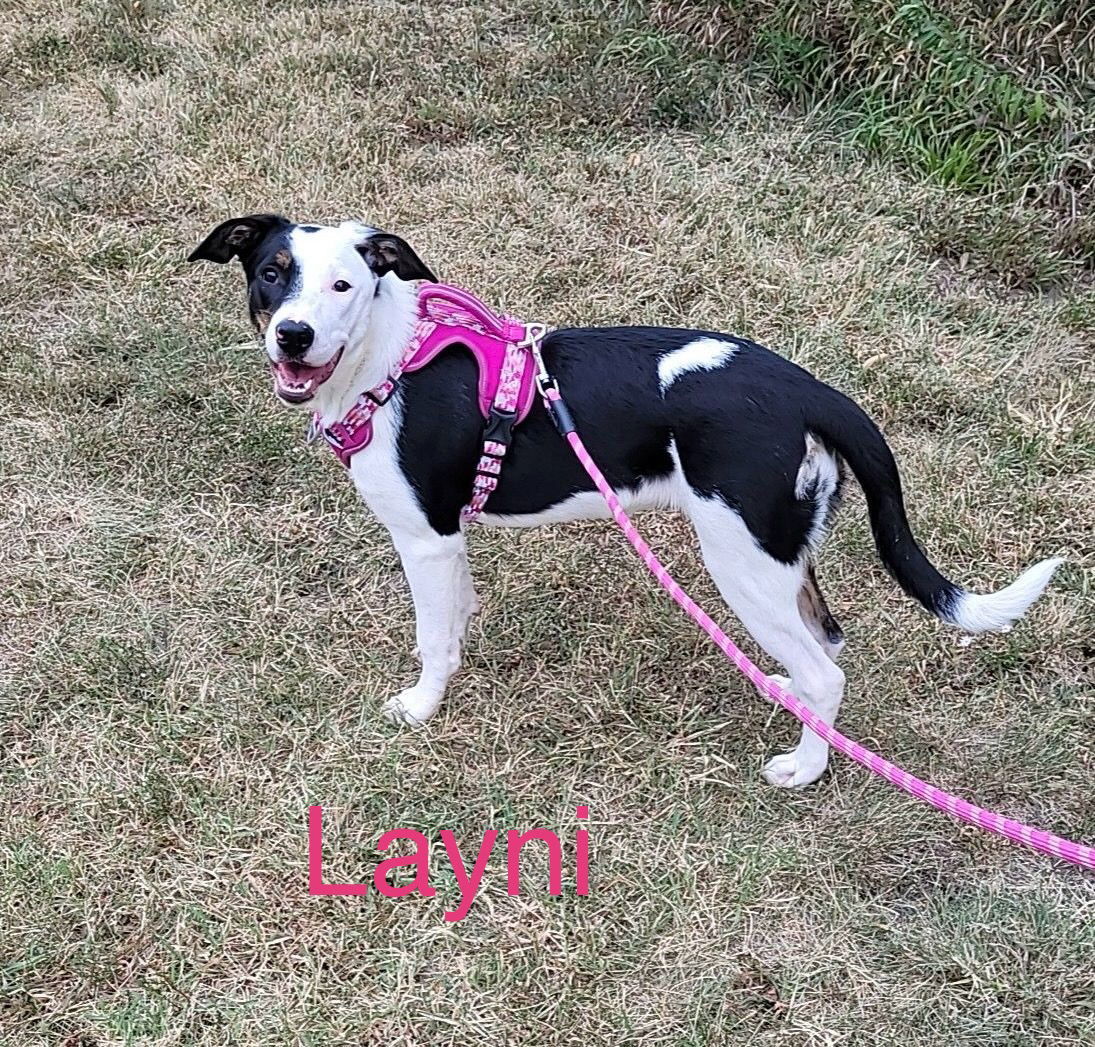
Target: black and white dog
[[748, 445]]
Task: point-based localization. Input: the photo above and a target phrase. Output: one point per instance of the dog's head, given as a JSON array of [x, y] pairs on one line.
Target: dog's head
[[310, 289]]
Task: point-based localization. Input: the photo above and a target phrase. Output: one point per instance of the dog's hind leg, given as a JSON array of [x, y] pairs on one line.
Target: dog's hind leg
[[764, 593], [817, 616], [818, 619]]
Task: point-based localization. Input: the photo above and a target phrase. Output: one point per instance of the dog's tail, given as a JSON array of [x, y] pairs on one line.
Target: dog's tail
[[847, 429]]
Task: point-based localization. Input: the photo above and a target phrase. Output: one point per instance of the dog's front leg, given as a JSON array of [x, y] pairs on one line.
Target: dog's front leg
[[437, 570]]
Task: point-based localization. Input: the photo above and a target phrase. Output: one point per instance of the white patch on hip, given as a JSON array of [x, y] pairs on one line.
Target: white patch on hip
[[818, 478], [704, 354]]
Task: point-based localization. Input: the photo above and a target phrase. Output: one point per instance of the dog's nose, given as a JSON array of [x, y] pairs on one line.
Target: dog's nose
[[294, 337]]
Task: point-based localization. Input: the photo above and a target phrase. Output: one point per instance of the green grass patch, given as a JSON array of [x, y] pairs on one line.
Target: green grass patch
[[990, 100]]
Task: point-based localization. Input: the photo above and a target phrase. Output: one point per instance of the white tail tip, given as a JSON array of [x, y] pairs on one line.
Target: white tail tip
[[997, 612]]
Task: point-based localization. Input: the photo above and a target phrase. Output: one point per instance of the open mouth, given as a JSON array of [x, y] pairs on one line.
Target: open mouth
[[296, 382]]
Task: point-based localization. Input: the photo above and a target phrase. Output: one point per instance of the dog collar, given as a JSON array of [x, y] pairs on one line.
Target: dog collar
[[501, 346]]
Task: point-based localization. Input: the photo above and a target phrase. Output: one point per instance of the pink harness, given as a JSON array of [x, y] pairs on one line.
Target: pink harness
[[449, 316], [506, 351]]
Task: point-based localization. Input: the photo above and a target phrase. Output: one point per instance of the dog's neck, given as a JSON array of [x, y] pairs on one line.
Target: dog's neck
[[388, 328]]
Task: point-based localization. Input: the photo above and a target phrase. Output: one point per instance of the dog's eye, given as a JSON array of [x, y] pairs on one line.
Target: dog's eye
[[270, 275], [341, 285]]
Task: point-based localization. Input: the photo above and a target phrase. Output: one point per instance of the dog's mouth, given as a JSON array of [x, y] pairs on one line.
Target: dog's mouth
[[296, 383]]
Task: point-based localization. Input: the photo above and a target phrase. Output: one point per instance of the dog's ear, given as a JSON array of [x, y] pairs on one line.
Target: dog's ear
[[385, 253], [238, 237]]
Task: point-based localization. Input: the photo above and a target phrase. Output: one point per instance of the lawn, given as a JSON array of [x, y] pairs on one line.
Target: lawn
[[200, 622]]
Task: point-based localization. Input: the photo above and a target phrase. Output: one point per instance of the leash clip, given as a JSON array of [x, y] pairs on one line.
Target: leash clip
[[545, 382], [534, 335]]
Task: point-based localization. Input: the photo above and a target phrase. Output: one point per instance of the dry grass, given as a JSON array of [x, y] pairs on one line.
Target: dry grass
[[178, 678]]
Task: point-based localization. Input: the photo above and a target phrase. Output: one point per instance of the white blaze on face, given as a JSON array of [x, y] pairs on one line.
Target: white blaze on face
[[323, 261]]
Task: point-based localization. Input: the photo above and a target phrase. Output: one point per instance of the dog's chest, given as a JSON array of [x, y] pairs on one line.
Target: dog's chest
[[376, 474]]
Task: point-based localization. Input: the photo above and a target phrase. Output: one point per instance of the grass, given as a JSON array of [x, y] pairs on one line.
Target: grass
[[200, 622], [991, 101]]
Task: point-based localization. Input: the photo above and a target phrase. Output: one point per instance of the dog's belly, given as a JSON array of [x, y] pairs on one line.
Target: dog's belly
[[662, 493]]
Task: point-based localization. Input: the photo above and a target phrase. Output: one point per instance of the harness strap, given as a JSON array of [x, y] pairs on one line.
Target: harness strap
[[355, 431], [502, 418], [502, 348]]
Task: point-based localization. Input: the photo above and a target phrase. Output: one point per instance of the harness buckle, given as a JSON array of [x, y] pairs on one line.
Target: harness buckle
[[391, 383], [334, 435], [499, 428]]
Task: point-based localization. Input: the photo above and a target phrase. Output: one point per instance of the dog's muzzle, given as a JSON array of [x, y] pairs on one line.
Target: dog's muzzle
[[296, 382]]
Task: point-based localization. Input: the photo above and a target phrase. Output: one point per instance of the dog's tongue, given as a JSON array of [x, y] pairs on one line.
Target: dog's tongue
[[295, 371]]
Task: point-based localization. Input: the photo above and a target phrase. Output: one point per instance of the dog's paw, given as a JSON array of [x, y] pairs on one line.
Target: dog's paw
[[783, 682], [789, 772], [411, 708]]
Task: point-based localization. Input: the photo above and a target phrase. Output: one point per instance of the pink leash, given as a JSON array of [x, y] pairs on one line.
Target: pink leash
[[499, 343], [1038, 839]]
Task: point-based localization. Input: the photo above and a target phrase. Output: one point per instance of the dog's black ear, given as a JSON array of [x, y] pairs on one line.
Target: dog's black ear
[[237, 237], [385, 253]]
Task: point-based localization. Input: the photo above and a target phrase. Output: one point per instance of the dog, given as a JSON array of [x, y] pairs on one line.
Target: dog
[[749, 446]]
